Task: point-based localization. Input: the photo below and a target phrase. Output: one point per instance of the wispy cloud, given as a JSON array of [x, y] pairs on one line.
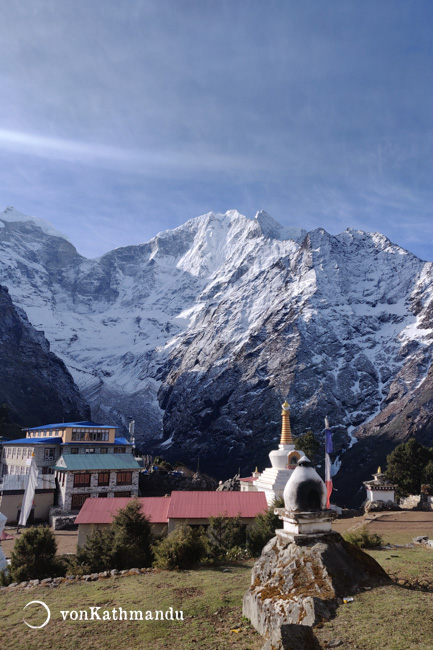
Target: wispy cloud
[[320, 113]]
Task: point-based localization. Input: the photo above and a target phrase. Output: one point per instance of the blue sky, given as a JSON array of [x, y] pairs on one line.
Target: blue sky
[[119, 119]]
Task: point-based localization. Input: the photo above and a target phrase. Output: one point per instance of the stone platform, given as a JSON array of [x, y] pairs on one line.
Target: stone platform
[[300, 581]]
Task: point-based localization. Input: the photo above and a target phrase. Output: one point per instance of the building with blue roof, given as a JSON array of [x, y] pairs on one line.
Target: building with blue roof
[[85, 458]]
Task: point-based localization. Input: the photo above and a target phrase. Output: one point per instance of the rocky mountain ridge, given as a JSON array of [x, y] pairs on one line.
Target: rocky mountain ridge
[[199, 333], [34, 383]]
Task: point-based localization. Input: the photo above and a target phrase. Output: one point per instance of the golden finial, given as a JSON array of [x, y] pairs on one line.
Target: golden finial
[[379, 471], [286, 433]]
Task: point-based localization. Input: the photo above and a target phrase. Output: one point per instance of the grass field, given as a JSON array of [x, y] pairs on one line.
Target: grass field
[[394, 617], [210, 600]]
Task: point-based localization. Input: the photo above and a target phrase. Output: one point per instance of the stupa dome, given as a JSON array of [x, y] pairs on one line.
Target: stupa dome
[[305, 491]]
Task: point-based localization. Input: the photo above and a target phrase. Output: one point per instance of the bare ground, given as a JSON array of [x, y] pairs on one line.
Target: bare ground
[[66, 541]]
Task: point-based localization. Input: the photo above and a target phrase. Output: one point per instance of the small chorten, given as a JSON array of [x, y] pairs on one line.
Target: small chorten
[[380, 490], [305, 512], [283, 460]]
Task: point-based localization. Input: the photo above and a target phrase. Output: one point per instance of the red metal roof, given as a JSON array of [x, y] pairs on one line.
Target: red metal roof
[[249, 479], [101, 511], [201, 505]]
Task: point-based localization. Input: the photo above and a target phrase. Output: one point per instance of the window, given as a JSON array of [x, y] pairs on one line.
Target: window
[[29, 452], [89, 450], [119, 450], [124, 478], [102, 495], [19, 452], [122, 494], [74, 450], [104, 478], [49, 454], [81, 480], [23, 469], [103, 450], [78, 500], [46, 470]]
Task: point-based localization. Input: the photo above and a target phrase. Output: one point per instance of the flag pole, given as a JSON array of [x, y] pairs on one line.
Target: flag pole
[[328, 450]]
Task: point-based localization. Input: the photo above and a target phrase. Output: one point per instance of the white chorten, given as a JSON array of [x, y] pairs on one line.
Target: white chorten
[[304, 514], [380, 489], [283, 460]]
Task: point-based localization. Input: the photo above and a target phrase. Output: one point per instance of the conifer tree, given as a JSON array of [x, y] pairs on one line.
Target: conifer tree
[[33, 556], [264, 528], [406, 466]]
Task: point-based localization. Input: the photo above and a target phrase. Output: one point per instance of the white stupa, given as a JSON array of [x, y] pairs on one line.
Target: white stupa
[[3, 563], [283, 460], [305, 514]]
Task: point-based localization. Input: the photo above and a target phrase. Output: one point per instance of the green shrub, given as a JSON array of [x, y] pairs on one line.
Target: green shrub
[[181, 549], [33, 556], [97, 553], [74, 567], [363, 538], [264, 528], [225, 534], [5, 578]]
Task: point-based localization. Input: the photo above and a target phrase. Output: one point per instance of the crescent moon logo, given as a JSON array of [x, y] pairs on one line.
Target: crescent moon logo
[[38, 602]]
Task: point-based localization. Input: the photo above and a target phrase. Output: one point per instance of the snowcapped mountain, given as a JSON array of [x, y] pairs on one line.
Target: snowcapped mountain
[[200, 332]]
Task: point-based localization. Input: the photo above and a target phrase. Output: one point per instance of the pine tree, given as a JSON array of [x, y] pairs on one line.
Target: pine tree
[[97, 553], [264, 528], [33, 556], [132, 537], [126, 544], [406, 466], [308, 443], [225, 533]]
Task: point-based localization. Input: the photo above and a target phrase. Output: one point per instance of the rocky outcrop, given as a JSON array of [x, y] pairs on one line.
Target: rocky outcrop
[[302, 582], [156, 484], [34, 383]]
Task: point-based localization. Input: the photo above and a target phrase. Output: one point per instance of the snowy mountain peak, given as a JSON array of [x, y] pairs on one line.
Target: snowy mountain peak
[[199, 332], [275, 230], [12, 215]]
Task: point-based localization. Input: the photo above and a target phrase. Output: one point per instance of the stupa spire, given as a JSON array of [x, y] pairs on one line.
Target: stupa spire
[[286, 432]]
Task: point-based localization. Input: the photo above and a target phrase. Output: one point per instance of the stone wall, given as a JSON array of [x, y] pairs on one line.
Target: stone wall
[[67, 490], [62, 522], [411, 502]]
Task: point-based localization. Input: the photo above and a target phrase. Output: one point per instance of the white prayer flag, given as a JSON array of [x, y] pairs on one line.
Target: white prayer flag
[[29, 493]]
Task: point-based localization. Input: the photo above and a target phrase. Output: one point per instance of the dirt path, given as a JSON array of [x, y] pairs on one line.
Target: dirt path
[[66, 541], [400, 526]]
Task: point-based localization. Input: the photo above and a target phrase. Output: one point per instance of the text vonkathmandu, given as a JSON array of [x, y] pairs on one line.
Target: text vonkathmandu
[[120, 614]]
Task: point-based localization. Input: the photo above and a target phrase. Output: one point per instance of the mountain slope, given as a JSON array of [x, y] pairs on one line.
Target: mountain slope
[[34, 383], [199, 333]]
